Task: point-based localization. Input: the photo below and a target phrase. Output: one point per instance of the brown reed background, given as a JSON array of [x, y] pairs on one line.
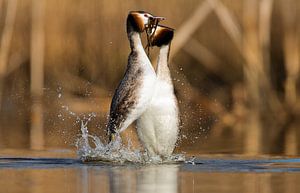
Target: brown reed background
[[235, 66]]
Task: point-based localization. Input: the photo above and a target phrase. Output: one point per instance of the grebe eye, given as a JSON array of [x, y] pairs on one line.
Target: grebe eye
[[146, 15]]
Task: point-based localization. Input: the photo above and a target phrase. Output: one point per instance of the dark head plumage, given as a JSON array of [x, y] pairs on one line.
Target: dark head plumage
[[162, 36], [139, 20]]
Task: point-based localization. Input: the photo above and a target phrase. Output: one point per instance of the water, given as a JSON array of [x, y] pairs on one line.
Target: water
[[61, 171], [91, 148], [117, 168]]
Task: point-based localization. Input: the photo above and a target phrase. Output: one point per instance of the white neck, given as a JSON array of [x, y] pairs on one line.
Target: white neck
[[135, 41], [163, 55], [141, 58], [162, 63], [162, 70]]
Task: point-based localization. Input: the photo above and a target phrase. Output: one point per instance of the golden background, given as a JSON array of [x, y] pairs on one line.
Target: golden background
[[235, 66]]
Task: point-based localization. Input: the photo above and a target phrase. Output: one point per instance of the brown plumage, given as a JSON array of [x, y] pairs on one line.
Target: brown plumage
[[162, 36], [129, 100]]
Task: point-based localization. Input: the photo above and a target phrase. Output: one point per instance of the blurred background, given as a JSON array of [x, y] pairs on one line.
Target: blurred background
[[235, 66]]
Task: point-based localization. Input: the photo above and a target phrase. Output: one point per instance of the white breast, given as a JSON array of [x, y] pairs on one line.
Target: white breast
[[145, 92], [158, 126]]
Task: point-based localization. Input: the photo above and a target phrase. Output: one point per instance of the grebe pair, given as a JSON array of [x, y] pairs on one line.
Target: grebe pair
[[143, 94]]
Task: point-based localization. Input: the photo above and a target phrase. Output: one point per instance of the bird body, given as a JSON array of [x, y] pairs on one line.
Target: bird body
[[158, 126], [145, 95], [135, 91]]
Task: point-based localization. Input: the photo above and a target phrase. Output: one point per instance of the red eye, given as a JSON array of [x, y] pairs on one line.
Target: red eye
[[146, 15]]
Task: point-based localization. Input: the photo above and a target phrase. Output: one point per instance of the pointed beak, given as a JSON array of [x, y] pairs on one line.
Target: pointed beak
[[158, 18], [153, 22]]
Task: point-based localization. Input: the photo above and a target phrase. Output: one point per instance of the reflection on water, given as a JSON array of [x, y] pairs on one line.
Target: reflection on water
[[212, 174], [146, 179], [158, 179]]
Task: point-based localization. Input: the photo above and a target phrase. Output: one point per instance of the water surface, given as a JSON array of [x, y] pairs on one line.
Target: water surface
[[62, 171]]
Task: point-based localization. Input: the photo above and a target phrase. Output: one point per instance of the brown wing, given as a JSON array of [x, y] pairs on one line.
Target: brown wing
[[124, 99]]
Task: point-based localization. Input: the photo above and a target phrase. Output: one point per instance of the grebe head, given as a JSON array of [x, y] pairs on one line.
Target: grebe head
[[162, 36], [141, 21]]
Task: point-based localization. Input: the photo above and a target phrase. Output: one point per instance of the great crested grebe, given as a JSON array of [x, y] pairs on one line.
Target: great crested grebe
[[158, 126], [134, 92]]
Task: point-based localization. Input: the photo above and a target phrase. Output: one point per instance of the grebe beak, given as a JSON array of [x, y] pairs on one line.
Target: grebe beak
[[152, 25], [158, 18]]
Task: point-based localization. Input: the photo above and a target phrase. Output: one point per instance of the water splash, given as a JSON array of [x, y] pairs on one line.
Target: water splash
[[91, 148]]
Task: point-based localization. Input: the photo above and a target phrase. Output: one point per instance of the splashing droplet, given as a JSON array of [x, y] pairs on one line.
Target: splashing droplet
[[91, 148]]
